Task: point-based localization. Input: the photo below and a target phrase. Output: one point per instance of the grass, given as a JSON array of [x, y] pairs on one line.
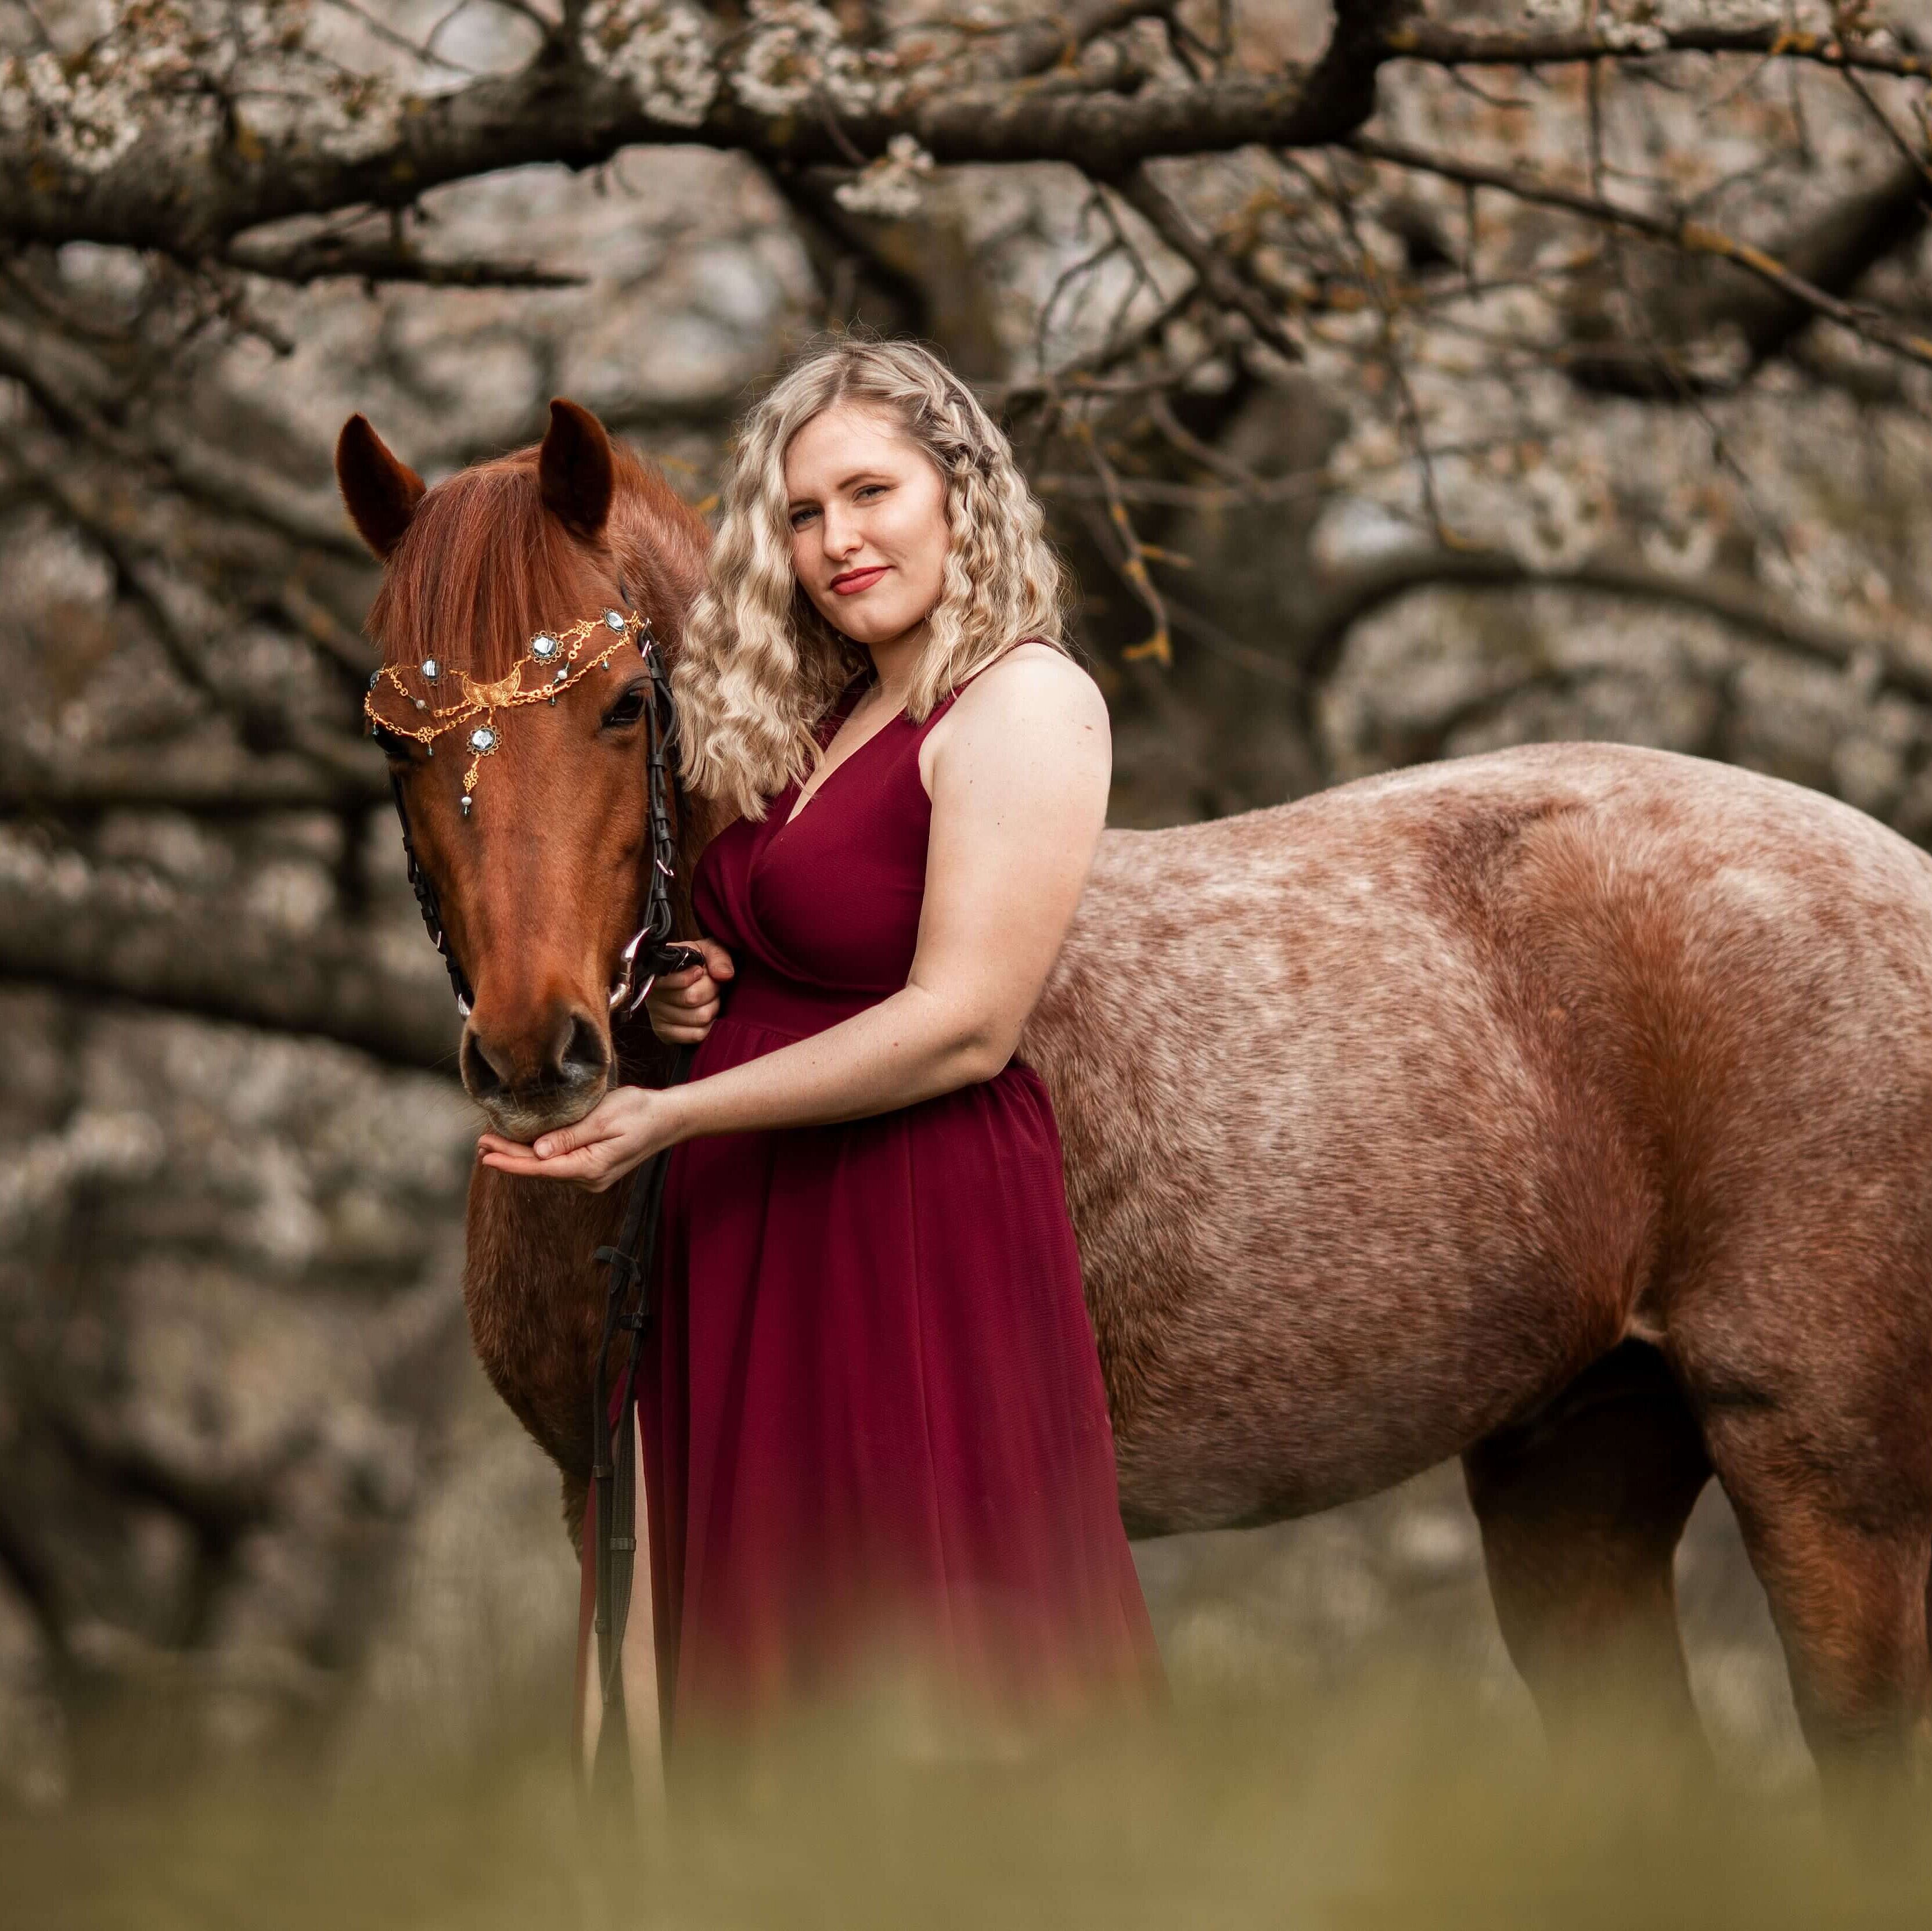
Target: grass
[[1402, 1798]]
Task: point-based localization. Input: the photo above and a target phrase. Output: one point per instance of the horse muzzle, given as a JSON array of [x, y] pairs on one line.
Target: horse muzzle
[[530, 1080]]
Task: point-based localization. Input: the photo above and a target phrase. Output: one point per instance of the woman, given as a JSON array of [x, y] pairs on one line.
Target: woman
[[874, 1421]]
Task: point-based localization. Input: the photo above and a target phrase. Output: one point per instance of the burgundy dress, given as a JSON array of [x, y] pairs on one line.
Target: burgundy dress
[[872, 1404]]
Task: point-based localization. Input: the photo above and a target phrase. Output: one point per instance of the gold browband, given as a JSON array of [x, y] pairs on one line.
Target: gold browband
[[555, 653]]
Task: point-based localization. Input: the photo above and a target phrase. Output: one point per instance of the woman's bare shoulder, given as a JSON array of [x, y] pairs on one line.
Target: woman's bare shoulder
[[1034, 680], [1034, 705]]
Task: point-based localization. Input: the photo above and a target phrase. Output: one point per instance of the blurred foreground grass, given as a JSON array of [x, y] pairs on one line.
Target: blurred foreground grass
[[1349, 1749], [1404, 1798]]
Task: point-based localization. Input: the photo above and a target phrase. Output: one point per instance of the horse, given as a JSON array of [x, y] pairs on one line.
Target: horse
[[1559, 1109]]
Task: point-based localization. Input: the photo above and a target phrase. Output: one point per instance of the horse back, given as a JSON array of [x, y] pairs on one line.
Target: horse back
[[1387, 1111]]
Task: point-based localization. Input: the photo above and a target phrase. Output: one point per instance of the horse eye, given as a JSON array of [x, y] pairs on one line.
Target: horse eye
[[399, 749], [627, 710]]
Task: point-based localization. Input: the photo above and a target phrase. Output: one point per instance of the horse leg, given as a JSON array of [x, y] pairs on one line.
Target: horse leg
[[1841, 1539], [1581, 1508]]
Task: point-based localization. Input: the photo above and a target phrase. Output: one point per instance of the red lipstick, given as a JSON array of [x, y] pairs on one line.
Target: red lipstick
[[853, 581]]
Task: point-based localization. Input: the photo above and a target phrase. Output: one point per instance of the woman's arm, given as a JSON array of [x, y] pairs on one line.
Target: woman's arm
[[1019, 781]]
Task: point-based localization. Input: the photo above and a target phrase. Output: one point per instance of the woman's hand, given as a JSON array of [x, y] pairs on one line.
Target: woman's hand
[[682, 1005], [622, 1131]]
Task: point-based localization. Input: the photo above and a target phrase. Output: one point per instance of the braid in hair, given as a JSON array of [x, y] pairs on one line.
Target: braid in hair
[[759, 665]]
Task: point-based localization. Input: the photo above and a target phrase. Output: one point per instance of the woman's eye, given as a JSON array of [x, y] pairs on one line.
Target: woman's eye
[[871, 490], [627, 710], [799, 518]]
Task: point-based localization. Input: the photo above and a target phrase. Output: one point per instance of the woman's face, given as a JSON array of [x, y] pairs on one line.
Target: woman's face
[[868, 529]]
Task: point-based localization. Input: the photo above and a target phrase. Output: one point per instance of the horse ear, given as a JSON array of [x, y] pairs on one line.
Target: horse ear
[[381, 493], [576, 472]]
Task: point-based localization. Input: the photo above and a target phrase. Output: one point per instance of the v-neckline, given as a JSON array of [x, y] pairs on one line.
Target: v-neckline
[[796, 809]]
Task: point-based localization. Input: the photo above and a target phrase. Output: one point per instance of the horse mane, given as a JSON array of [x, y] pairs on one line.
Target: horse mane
[[484, 565]]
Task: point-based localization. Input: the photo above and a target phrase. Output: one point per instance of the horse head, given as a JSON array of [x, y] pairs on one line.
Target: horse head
[[517, 598]]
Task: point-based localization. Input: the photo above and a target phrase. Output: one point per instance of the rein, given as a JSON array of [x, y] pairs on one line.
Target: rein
[[627, 1304], [427, 903]]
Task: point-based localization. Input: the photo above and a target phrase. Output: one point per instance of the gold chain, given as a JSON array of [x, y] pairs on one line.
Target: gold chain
[[554, 654]]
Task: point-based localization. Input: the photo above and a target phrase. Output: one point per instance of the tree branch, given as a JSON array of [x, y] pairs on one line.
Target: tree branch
[[1222, 278], [320, 257], [215, 781], [1737, 601], [1694, 237], [1053, 38], [1832, 252], [338, 760], [187, 190], [117, 931], [1132, 555], [1444, 46], [81, 396]]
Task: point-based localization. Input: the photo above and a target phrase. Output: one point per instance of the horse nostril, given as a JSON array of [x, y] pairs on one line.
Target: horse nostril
[[515, 1066], [584, 1057], [481, 1078]]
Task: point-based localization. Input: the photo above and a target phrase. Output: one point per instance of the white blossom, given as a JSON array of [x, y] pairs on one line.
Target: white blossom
[[1737, 14], [795, 54], [892, 187], [662, 51], [92, 106], [1636, 36], [88, 110], [1565, 521]]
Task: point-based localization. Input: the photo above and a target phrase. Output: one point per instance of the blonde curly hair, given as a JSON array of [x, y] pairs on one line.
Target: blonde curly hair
[[759, 666]]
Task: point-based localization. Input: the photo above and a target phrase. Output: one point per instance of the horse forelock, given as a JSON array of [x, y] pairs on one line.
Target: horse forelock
[[484, 565]]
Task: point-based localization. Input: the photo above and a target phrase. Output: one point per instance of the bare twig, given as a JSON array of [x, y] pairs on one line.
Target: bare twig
[[1046, 41], [1694, 237], [1392, 358], [1216, 462], [1302, 486], [1086, 375], [1444, 45], [1221, 278], [1913, 158], [424, 53], [1132, 562]]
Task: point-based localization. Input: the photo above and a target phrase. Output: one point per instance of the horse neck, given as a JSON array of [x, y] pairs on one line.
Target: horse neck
[[535, 1296]]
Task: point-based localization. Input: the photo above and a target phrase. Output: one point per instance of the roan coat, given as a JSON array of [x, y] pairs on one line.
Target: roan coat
[[1561, 1109]]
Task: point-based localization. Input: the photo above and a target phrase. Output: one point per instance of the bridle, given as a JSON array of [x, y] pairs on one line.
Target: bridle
[[652, 937], [426, 902], [627, 1307]]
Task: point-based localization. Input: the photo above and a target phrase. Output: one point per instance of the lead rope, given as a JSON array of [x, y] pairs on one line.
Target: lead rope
[[628, 1306]]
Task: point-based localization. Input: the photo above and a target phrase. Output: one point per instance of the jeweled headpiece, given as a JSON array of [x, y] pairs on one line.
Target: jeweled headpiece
[[559, 658]]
